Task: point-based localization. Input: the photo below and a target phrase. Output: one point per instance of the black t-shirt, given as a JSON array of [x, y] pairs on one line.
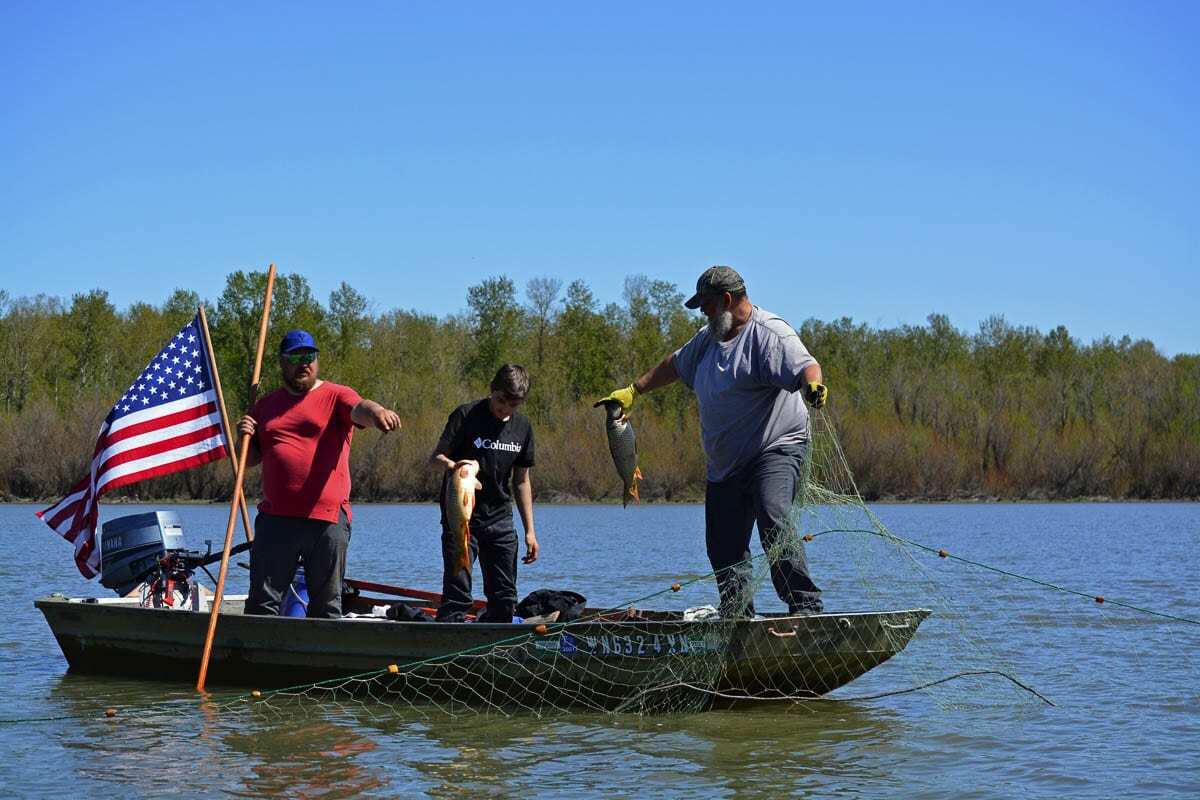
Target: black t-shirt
[[473, 432]]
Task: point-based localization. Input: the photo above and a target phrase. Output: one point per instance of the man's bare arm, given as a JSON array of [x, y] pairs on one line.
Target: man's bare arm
[[662, 374], [370, 414]]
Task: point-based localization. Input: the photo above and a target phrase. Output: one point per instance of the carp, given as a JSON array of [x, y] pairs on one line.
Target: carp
[[623, 446], [460, 504]]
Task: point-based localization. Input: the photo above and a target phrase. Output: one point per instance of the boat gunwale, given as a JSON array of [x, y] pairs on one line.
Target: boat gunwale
[[592, 616]]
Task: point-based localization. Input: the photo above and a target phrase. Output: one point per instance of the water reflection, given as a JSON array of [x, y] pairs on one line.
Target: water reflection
[[165, 738], [304, 758], [793, 748]]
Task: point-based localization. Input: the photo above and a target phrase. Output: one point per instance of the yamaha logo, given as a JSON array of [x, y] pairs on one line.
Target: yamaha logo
[[489, 444]]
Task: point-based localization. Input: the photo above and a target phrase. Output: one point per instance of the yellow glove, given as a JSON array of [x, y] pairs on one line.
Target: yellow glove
[[623, 396], [816, 394]]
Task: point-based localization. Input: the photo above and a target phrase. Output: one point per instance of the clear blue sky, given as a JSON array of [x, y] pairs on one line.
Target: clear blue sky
[[882, 162]]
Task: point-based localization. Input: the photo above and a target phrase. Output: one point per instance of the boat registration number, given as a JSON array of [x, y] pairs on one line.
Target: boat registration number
[[634, 645]]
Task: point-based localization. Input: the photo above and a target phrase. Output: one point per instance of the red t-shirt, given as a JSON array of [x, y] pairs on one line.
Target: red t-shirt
[[305, 445]]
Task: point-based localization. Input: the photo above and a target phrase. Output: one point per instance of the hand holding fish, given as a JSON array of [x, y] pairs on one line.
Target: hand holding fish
[[623, 397], [816, 394]]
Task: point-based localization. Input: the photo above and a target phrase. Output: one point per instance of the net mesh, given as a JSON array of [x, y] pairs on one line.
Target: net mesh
[[671, 651]]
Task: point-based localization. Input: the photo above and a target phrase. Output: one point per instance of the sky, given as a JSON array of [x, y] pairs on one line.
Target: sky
[[878, 161]]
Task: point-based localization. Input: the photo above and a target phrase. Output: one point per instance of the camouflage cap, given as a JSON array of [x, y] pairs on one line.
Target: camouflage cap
[[716, 281]]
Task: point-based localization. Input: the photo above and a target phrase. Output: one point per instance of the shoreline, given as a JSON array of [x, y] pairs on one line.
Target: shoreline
[[569, 501]]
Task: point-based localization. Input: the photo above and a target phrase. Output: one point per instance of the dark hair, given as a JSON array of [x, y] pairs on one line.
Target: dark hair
[[513, 380]]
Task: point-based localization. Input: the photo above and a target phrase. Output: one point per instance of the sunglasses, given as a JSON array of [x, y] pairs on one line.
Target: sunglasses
[[295, 359]]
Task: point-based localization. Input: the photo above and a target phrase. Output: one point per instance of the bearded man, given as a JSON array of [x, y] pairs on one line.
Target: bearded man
[[751, 375], [301, 435]]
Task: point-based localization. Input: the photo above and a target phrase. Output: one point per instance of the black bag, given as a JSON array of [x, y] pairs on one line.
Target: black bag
[[569, 605], [405, 613]]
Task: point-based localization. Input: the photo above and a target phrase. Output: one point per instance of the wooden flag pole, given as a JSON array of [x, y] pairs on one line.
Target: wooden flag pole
[[243, 450], [239, 497]]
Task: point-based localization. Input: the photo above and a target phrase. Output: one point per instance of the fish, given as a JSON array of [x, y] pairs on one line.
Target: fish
[[623, 446], [460, 505]]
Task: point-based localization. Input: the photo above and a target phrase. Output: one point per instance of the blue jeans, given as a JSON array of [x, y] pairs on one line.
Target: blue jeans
[[762, 491]]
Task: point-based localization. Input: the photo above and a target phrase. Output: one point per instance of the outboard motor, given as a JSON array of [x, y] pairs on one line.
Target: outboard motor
[[148, 549], [131, 548]]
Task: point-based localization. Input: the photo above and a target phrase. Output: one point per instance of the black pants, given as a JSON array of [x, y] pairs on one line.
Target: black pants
[[279, 543], [761, 491], [496, 549]]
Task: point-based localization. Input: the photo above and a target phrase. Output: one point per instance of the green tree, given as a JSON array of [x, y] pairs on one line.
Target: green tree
[[495, 327], [92, 340], [587, 342], [543, 297]]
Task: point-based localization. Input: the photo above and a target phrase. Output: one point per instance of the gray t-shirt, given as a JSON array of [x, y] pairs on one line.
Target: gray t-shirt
[[747, 390]]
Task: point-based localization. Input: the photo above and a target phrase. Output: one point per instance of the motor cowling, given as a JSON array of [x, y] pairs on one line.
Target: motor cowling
[[132, 547]]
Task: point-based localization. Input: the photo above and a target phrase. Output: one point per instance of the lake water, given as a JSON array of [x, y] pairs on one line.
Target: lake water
[[1126, 684]]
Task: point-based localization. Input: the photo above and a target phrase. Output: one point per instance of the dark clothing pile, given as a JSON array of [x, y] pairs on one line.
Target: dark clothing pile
[[569, 605]]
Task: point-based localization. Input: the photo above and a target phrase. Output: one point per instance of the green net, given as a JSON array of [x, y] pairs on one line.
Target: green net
[[672, 650]]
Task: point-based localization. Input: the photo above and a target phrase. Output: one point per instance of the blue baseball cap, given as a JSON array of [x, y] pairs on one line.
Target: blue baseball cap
[[297, 340]]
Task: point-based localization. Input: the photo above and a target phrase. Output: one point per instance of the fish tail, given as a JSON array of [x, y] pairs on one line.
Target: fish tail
[[633, 487]]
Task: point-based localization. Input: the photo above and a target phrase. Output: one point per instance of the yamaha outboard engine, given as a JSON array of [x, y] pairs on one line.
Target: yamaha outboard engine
[[147, 549], [132, 547]]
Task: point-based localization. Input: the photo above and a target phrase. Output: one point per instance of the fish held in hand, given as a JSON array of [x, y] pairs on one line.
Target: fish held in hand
[[460, 505], [623, 446]]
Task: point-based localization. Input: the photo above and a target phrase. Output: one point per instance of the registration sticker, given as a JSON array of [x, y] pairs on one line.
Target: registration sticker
[[637, 645]]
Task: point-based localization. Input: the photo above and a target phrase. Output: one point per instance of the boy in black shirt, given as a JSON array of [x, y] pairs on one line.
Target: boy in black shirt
[[491, 432]]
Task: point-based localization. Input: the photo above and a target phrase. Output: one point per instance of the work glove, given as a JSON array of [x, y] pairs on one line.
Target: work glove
[[623, 396], [815, 394]]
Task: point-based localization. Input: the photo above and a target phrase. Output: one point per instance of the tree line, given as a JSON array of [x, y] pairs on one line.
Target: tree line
[[922, 412]]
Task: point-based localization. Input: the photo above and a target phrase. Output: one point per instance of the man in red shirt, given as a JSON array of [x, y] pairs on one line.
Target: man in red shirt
[[301, 436]]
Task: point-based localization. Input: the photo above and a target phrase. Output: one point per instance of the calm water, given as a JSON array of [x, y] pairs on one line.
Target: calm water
[[1126, 685]]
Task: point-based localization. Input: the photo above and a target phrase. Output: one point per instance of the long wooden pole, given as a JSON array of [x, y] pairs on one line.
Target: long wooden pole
[[239, 497], [243, 450]]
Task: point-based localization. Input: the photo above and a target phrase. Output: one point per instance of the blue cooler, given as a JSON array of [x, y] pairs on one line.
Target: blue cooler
[[295, 602]]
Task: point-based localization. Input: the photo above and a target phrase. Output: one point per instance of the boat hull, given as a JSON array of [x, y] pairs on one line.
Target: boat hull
[[607, 663]]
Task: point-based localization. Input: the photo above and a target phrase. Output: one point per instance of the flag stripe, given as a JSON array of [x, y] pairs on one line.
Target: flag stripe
[[152, 424], [77, 492], [65, 515], [141, 415], [166, 433], [201, 456], [87, 557], [166, 446], [154, 462]]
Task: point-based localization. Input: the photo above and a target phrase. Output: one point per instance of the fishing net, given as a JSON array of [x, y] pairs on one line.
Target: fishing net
[[672, 651]]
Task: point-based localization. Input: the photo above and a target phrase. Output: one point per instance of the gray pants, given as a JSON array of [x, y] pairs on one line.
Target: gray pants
[[279, 544], [761, 491]]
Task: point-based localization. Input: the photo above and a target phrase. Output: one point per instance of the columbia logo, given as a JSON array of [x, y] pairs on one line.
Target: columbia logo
[[489, 444]]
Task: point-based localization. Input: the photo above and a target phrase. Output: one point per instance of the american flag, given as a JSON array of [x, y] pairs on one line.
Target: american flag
[[167, 421]]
